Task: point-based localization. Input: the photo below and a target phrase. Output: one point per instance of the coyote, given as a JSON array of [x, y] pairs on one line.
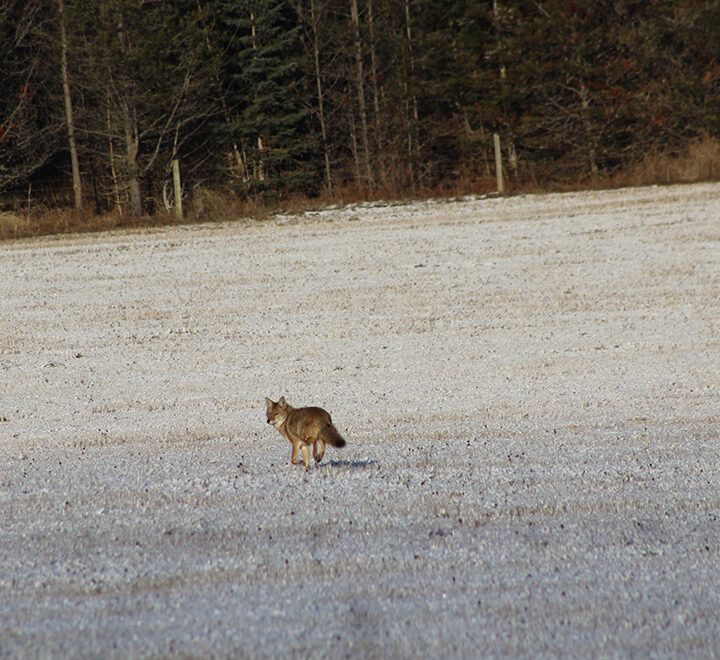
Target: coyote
[[303, 427]]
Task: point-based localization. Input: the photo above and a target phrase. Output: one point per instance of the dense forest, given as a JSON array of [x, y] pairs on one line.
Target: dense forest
[[265, 99]]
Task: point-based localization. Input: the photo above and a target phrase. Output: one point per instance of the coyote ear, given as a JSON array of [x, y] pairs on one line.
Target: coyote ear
[[282, 401], [268, 402]]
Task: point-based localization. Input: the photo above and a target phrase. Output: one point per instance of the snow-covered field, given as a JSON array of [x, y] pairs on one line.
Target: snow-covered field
[[529, 388]]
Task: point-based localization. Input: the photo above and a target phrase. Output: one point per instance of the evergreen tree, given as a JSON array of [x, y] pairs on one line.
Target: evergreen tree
[[30, 117], [457, 111], [273, 97], [269, 95], [591, 85]]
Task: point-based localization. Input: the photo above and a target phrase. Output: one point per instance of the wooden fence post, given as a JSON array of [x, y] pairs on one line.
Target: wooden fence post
[[498, 164], [177, 190]]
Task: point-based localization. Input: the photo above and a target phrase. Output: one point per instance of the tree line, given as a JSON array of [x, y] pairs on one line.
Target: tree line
[[269, 98]]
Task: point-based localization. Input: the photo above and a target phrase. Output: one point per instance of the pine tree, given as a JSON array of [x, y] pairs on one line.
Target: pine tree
[[30, 120], [270, 95]]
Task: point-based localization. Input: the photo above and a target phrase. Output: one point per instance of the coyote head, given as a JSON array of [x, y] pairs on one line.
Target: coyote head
[[276, 412]]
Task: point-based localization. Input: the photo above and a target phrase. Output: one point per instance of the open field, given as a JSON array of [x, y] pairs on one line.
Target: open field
[[529, 388]]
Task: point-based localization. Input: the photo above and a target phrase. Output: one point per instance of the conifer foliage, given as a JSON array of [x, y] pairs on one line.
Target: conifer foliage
[[267, 91], [268, 98]]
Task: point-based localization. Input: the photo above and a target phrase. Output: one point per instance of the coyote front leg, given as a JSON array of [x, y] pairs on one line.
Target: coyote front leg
[[301, 446]]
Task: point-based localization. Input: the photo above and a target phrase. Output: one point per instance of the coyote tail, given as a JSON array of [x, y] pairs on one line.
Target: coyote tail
[[330, 435]]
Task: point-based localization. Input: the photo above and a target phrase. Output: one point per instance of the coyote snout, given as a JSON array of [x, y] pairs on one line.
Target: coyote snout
[[303, 427]]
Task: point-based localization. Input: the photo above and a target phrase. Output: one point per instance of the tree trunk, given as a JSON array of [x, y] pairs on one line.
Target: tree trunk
[[379, 137], [361, 94], [411, 100], [113, 171], [131, 153], [354, 148], [75, 164], [511, 151], [321, 111], [590, 138]]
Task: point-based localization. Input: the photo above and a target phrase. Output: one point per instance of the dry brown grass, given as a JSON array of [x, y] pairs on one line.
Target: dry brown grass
[[700, 161], [12, 225], [62, 220], [206, 206]]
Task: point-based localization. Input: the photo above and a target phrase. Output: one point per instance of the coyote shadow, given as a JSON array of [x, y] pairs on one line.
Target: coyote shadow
[[348, 464]]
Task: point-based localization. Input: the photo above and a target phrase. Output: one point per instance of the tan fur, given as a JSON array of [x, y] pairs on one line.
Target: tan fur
[[303, 427]]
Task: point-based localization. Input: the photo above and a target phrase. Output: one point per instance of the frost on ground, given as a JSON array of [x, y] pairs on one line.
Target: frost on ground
[[529, 388]]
